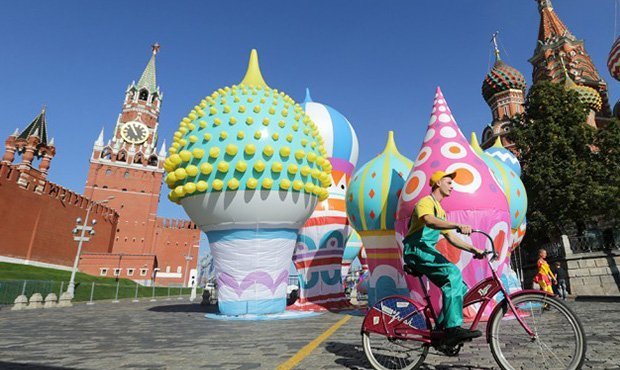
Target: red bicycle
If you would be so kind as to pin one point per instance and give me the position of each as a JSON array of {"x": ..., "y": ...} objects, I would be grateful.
[{"x": 529, "y": 329}]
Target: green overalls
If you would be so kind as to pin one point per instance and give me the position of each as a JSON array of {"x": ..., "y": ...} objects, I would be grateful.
[{"x": 420, "y": 253}]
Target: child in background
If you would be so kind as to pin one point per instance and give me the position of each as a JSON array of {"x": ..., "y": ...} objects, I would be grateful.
[{"x": 561, "y": 278}]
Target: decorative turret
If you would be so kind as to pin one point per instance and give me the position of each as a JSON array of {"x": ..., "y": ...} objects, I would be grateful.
[
  {"x": 32, "y": 144},
  {"x": 587, "y": 95},
  {"x": 503, "y": 89},
  {"x": 555, "y": 41},
  {"x": 501, "y": 77}
]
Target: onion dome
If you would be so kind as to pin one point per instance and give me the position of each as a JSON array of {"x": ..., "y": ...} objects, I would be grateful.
[
  {"x": 502, "y": 77},
  {"x": 352, "y": 248},
  {"x": 444, "y": 148},
  {"x": 509, "y": 182},
  {"x": 617, "y": 109},
  {"x": 372, "y": 196},
  {"x": 247, "y": 137},
  {"x": 587, "y": 95},
  {"x": 613, "y": 62},
  {"x": 340, "y": 138},
  {"x": 504, "y": 155}
]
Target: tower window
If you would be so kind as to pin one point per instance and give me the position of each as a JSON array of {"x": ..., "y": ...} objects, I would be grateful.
[
  {"x": 138, "y": 158},
  {"x": 144, "y": 95},
  {"x": 106, "y": 154},
  {"x": 108, "y": 172},
  {"x": 121, "y": 156},
  {"x": 153, "y": 160},
  {"x": 126, "y": 175}
]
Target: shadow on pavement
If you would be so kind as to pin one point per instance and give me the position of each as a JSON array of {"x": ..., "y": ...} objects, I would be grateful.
[
  {"x": 16, "y": 365},
  {"x": 187, "y": 307},
  {"x": 349, "y": 355}
]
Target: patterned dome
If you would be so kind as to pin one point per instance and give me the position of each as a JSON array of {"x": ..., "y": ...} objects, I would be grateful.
[
  {"x": 504, "y": 155},
  {"x": 247, "y": 137},
  {"x": 587, "y": 95},
  {"x": 617, "y": 109},
  {"x": 339, "y": 136},
  {"x": 613, "y": 62},
  {"x": 500, "y": 78},
  {"x": 373, "y": 192}
]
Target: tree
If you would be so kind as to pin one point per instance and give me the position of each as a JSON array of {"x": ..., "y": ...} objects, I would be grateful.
[
  {"x": 607, "y": 142},
  {"x": 563, "y": 176}
]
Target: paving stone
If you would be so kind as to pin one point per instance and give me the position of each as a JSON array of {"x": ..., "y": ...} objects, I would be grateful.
[{"x": 176, "y": 335}]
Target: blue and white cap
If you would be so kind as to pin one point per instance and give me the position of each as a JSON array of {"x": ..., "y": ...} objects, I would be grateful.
[{"x": 337, "y": 132}]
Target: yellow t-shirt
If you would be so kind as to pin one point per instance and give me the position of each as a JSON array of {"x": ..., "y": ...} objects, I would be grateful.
[{"x": 426, "y": 206}]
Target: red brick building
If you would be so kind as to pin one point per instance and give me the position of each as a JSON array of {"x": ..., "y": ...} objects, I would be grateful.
[{"x": 127, "y": 170}]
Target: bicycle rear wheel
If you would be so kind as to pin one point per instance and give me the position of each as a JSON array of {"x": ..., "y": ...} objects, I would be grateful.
[
  {"x": 559, "y": 343},
  {"x": 384, "y": 331},
  {"x": 392, "y": 354}
]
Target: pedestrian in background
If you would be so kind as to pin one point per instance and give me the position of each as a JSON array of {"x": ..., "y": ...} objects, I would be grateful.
[
  {"x": 544, "y": 276},
  {"x": 561, "y": 278}
]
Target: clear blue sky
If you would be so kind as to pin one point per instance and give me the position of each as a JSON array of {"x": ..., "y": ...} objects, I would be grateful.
[{"x": 377, "y": 62}]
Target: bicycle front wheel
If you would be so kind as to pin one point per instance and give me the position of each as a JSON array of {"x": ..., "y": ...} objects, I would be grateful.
[{"x": 559, "y": 341}]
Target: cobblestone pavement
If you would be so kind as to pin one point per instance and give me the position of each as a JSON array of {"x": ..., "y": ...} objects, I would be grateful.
[{"x": 176, "y": 335}]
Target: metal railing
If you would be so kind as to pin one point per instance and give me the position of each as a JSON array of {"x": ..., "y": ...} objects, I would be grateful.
[
  {"x": 86, "y": 291},
  {"x": 595, "y": 242}
]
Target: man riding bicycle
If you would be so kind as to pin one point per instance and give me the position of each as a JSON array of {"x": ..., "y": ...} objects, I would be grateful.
[{"x": 428, "y": 220}]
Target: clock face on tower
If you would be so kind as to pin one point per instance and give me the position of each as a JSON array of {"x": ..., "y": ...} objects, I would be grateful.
[{"x": 134, "y": 132}]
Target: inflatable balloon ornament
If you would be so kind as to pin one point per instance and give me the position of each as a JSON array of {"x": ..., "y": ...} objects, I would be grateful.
[
  {"x": 372, "y": 198},
  {"x": 351, "y": 250},
  {"x": 248, "y": 166},
  {"x": 513, "y": 189},
  {"x": 477, "y": 198},
  {"x": 506, "y": 169},
  {"x": 321, "y": 241}
]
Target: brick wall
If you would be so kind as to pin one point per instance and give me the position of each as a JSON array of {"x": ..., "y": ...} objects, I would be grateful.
[{"x": 38, "y": 216}]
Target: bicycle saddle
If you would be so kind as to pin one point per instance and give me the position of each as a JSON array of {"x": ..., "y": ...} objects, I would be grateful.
[{"x": 412, "y": 271}]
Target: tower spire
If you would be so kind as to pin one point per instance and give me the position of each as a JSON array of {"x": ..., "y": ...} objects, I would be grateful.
[
  {"x": 37, "y": 125},
  {"x": 149, "y": 78}
]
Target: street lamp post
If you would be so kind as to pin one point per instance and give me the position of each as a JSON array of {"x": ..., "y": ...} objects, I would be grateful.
[{"x": 82, "y": 229}]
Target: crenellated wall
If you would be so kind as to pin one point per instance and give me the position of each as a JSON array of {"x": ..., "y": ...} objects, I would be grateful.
[
  {"x": 174, "y": 241},
  {"x": 39, "y": 217}
]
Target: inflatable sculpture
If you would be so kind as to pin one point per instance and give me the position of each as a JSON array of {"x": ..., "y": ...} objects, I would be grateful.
[
  {"x": 321, "y": 242},
  {"x": 249, "y": 167},
  {"x": 351, "y": 250},
  {"x": 477, "y": 198},
  {"x": 372, "y": 199},
  {"x": 507, "y": 169}
]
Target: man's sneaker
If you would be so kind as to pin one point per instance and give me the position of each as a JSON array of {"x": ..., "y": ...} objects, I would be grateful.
[{"x": 457, "y": 335}]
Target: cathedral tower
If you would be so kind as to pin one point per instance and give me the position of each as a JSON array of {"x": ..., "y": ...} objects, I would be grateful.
[
  {"x": 129, "y": 167},
  {"x": 555, "y": 41},
  {"x": 503, "y": 89}
]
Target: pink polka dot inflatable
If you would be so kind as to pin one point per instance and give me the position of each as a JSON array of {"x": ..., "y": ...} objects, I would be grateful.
[{"x": 476, "y": 200}]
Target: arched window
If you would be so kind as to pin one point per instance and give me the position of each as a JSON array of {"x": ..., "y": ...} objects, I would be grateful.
[
  {"x": 153, "y": 160},
  {"x": 138, "y": 158},
  {"x": 144, "y": 95},
  {"x": 106, "y": 154},
  {"x": 121, "y": 156}
]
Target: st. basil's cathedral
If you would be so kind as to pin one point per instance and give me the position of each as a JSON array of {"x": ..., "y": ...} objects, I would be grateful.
[{"x": 124, "y": 180}]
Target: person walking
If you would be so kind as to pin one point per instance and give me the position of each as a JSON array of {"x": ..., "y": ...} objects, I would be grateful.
[
  {"x": 544, "y": 276},
  {"x": 428, "y": 221}
]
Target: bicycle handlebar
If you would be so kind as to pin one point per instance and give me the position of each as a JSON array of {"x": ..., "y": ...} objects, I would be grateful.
[{"x": 486, "y": 252}]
